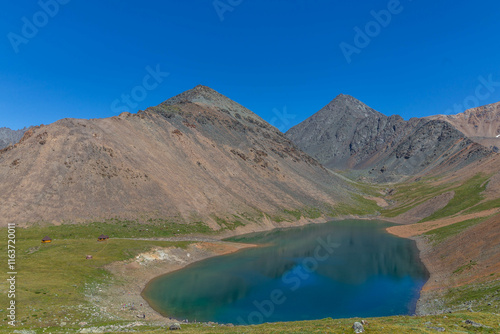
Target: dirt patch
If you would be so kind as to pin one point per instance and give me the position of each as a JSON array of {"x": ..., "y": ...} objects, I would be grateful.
[
  {"x": 380, "y": 201},
  {"x": 408, "y": 231}
]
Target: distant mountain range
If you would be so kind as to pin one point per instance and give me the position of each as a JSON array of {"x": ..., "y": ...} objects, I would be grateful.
[
  {"x": 347, "y": 134},
  {"x": 198, "y": 156},
  {"x": 10, "y": 137}
]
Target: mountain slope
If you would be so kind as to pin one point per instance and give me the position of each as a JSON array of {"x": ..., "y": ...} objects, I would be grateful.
[
  {"x": 481, "y": 124},
  {"x": 347, "y": 134},
  {"x": 195, "y": 157},
  {"x": 10, "y": 137},
  {"x": 344, "y": 133}
]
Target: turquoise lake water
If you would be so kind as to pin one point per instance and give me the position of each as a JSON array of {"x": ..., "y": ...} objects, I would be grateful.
[{"x": 342, "y": 269}]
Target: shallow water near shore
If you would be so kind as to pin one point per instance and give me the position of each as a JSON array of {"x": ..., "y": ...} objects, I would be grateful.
[{"x": 342, "y": 269}]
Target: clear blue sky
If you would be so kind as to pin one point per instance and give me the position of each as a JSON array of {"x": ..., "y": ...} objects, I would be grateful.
[{"x": 264, "y": 54}]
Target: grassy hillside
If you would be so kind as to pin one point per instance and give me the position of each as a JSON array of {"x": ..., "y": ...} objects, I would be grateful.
[
  {"x": 52, "y": 278},
  {"x": 452, "y": 323}
]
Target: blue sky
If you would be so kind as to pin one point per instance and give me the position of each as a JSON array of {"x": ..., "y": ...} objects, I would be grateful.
[{"x": 282, "y": 59}]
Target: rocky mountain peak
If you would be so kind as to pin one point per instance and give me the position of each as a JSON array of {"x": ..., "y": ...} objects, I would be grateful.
[
  {"x": 346, "y": 104},
  {"x": 201, "y": 94},
  {"x": 348, "y": 134},
  {"x": 213, "y": 102}
]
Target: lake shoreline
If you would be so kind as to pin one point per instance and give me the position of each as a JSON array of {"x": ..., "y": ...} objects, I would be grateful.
[{"x": 125, "y": 300}]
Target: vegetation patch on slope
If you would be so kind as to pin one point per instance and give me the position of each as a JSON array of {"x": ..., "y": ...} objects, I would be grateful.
[
  {"x": 408, "y": 196},
  {"x": 488, "y": 205},
  {"x": 116, "y": 228},
  {"x": 482, "y": 297},
  {"x": 466, "y": 196},
  {"x": 360, "y": 206},
  {"x": 438, "y": 235}
]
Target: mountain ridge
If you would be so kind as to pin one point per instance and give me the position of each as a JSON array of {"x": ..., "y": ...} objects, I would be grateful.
[
  {"x": 348, "y": 134},
  {"x": 183, "y": 160},
  {"x": 481, "y": 124}
]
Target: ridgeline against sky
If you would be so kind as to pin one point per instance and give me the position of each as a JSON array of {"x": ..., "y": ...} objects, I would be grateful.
[{"x": 282, "y": 59}]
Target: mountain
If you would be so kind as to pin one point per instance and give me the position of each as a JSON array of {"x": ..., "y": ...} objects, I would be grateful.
[
  {"x": 347, "y": 134},
  {"x": 10, "y": 137},
  {"x": 198, "y": 156},
  {"x": 481, "y": 124}
]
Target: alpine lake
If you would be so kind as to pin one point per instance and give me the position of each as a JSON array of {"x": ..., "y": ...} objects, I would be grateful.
[{"x": 341, "y": 269}]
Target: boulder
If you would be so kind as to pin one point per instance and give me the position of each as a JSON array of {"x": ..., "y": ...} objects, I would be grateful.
[
  {"x": 358, "y": 327},
  {"x": 175, "y": 327}
]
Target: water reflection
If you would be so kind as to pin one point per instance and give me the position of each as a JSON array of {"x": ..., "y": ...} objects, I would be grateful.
[{"x": 339, "y": 269}]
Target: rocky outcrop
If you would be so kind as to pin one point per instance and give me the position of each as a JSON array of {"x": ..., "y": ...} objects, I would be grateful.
[{"x": 10, "y": 137}]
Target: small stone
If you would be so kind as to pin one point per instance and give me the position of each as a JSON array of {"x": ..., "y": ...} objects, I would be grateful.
[
  {"x": 175, "y": 327},
  {"x": 358, "y": 328},
  {"x": 474, "y": 324}
]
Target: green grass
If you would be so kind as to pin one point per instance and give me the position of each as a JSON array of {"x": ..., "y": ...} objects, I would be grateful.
[
  {"x": 294, "y": 213},
  {"x": 52, "y": 278},
  {"x": 116, "y": 229},
  {"x": 411, "y": 195},
  {"x": 465, "y": 267},
  {"x": 466, "y": 196},
  {"x": 453, "y": 323},
  {"x": 440, "y": 234},
  {"x": 483, "y": 297},
  {"x": 312, "y": 213},
  {"x": 368, "y": 189},
  {"x": 359, "y": 206},
  {"x": 229, "y": 225},
  {"x": 492, "y": 204}
]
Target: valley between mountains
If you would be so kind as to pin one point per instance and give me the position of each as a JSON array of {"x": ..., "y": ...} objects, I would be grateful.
[{"x": 169, "y": 182}]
